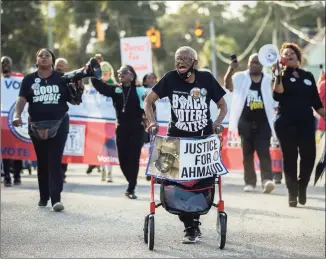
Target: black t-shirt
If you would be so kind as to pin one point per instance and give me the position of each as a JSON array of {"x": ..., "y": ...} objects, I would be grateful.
[
  {"x": 133, "y": 114},
  {"x": 300, "y": 94},
  {"x": 47, "y": 97},
  {"x": 190, "y": 102},
  {"x": 254, "y": 109}
]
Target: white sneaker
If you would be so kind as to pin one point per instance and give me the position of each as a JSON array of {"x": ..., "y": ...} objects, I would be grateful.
[
  {"x": 110, "y": 180},
  {"x": 248, "y": 188},
  {"x": 269, "y": 186},
  {"x": 58, "y": 207}
]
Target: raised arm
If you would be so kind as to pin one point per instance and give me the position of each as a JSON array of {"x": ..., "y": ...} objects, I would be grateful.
[
  {"x": 278, "y": 88},
  {"x": 102, "y": 87},
  {"x": 228, "y": 76}
]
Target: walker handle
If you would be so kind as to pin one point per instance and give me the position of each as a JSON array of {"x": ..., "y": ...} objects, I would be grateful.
[{"x": 154, "y": 131}]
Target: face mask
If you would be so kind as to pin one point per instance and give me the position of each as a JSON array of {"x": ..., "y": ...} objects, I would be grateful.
[{"x": 188, "y": 73}]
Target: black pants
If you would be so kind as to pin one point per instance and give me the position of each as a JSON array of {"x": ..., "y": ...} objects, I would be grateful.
[
  {"x": 255, "y": 137},
  {"x": 49, "y": 155},
  {"x": 294, "y": 140},
  {"x": 16, "y": 165},
  {"x": 64, "y": 169},
  {"x": 188, "y": 220},
  {"x": 129, "y": 144}
]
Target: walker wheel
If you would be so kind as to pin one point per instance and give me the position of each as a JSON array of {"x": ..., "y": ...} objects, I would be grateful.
[
  {"x": 221, "y": 229},
  {"x": 151, "y": 232},
  {"x": 145, "y": 229}
]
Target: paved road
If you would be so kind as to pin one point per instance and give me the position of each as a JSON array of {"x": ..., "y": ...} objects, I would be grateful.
[{"x": 100, "y": 222}]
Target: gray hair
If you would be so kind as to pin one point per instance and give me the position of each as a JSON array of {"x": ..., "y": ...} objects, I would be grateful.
[
  {"x": 191, "y": 51},
  {"x": 6, "y": 57},
  {"x": 254, "y": 55},
  {"x": 60, "y": 59}
]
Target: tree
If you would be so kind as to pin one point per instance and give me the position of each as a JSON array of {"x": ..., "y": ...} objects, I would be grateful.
[
  {"x": 22, "y": 32},
  {"x": 178, "y": 29}
]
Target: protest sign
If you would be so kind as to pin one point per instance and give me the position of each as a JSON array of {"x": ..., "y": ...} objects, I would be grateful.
[{"x": 186, "y": 159}]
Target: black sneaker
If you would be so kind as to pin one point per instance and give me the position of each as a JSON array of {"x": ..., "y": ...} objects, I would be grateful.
[
  {"x": 7, "y": 183},
  {"x": 17, "y": 182},
  {"x": 131, "y": 195},
  {"x": 196, "y": 226},
  {"x": 42, "y": 203},
  {"x": 190, "y": 236},
  {"x": 292, "y": 201}
]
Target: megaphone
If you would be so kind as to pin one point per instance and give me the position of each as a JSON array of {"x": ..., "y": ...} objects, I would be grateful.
[
  {"x": 91, "y": 69},
  {"x": 268, "y": 55}
]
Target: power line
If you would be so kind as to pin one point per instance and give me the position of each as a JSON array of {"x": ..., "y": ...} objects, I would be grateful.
[
  {"x": 252, "y": 43},
  {"x": 301, "y": 34},
  {"x": 295, "y": 5}
]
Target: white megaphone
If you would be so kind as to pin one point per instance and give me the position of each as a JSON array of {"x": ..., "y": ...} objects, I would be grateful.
[{"x": 268, "y": 55}]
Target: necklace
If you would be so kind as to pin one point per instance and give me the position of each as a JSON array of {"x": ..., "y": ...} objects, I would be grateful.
[{"x": 125, "y": 99}]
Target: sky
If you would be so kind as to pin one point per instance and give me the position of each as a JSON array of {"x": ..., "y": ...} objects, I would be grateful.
[{"x": 235, "y": 5}]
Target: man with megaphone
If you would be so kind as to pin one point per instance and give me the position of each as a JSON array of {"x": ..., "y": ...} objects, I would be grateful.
[
  {"x": 252, "y": 112},
  {"x": 47, "y": 91}
]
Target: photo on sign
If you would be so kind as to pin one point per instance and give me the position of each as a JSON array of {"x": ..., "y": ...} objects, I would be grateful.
[
  {"x": 75, "y": 141},
  {"x": 164, "y": 162}
]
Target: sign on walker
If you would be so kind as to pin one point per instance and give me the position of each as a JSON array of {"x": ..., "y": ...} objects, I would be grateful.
[{"x": 185, "y": 159}]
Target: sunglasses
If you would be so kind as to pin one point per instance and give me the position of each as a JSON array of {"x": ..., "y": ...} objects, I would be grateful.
[{"x": 124, "y": 72}]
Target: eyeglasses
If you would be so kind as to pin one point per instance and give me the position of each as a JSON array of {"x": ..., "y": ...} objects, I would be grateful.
[{"x": 185, "y": 59}]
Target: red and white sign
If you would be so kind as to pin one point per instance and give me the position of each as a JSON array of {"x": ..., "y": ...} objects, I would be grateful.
[{"x": 137, "y": 52}]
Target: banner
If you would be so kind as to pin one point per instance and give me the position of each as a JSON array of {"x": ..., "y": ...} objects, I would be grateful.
[
  {"x": 185, "y": 159},
  {"x": 137, "y": 52},
  {"x": 91, "y": 138}
]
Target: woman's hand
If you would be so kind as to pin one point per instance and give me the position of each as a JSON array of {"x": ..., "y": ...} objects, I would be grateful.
[
  {"x": 276, "y": 70},
  {"x": 153, "y": 128},
  {"x": 218, "y": 128},
  {"x": 17, "y": 121},
  {"x": 79, "y": 85}
]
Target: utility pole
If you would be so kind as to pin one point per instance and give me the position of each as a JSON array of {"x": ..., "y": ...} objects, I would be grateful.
[
  {"x": 276, "y": 26},
  {"x": 51, "y": 15},
  {"x": 213, "y": 47}
]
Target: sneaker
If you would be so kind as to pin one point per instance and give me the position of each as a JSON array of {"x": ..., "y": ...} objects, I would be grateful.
[
  {"x": 17, "y": 182},
  {"x": 196, "y": 226},
  {"x": 110, "y": 180},
  {"x": 269, "y": 186},
  {"x": 292, "y": 200},
  {"x": 131, "y": 195},
  {"x": 7, "y": 182},
  {"x": 42, "y": 203},
  {"x": 248, "y": 188},
  {"x": 190, "y": 236},
  {"x": 57, "y": 207}
]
